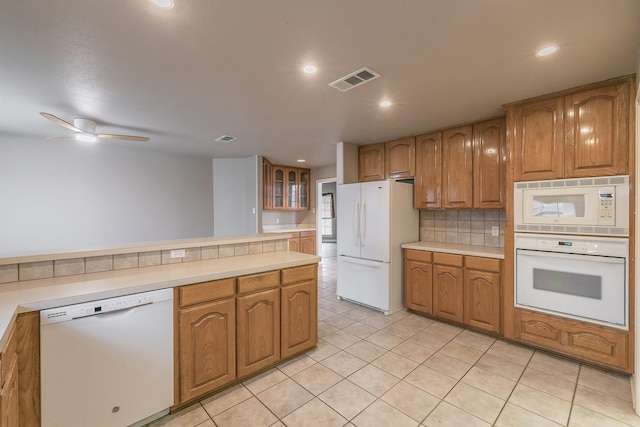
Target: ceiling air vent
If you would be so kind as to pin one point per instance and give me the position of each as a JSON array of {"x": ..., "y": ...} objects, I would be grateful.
[
  {"x": 354, "y": 79},
  {"x": 225, "y": 139}
]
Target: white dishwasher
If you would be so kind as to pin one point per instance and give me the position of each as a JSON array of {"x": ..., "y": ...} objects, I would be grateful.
[{"x": 107, "y": 363}]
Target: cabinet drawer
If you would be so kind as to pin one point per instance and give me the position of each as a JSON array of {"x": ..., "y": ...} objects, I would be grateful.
[
  {"x": 484, "y": 264},
  {"x": 415, "y": 255},
  {"x": 298, "y": 274},
  {"x": 256, "y": 282},
  {"x": 447, "y": 259},
  {"x": 307, "y": 234},
  {"x": 206, "y": 291},
  {"x": 587, "y": 341}
]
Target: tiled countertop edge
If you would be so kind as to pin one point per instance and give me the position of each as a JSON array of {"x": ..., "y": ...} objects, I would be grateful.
[
  {"x": 34, "y": 295},
  {"x": 452, "y": 248}
]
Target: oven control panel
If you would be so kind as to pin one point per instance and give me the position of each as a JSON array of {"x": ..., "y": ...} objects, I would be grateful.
[
  {"x": 566, "y": 245},
  {"x": 606, "y": 206}
]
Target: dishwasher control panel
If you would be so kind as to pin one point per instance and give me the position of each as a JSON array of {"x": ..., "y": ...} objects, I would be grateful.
[{"x": 92, "y": 308}]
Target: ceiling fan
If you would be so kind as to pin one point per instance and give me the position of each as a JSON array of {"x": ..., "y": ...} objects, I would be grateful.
[{"x": 86, "y": 130}]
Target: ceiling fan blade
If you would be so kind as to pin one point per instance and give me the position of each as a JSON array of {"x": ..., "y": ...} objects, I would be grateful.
[
  {"x": 125, "y": 137},
  {"x": 61, "y": 137},
  {"x": 59, "y": 121}
]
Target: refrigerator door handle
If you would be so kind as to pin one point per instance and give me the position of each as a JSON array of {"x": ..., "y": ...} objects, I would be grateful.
[
  {"x": 363, "y": 224},
  {"x": 356, "y": 223},
  {"x": 363, "y": 262}
]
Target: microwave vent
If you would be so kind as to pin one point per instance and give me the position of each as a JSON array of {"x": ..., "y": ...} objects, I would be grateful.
[
  {"x": 558, "y": 184},
  {"x": 619, "y": 179},
  {"x": 588, "y": 182}
]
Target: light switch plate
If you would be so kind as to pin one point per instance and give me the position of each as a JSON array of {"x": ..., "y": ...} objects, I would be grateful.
[
  {"x": 495, "y": 230},
  {"x": 178, "y": 253}
]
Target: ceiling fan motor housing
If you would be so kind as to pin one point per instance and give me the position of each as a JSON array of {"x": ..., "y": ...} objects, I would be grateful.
[{"x": 85, "y": 125}]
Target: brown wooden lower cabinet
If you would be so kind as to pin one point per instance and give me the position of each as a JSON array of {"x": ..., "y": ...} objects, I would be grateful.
[
  {"x": 584, "y": 340},
  {"x": 482, "y": 293},
  {"x": 462, "y": 289},
  {"x": 303, "y": 241},
  {"x": 9, "y": 409},
  {"x": 299, "y": 309},
  {"x": 258, "y": 331},
  {"x": 207, "y": 347},
  {"x": 418, "y": 281},
  {"x": 447, "y": 287}
]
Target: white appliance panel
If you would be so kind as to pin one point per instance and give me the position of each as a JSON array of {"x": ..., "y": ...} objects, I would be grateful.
[
  {"x": 363, "y": 281},
  {"x": 348, "y": 199},
  {"x": 107, "y": 370},
  {"x": 375, "y": 221}
]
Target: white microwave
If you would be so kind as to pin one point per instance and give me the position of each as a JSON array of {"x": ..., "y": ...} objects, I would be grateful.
[{"x": 598, "y": 206}]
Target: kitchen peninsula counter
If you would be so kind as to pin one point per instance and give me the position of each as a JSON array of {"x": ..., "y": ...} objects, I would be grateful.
[
  {"x": 34, "y": 295},
  {"x": 454, "y": 248}
]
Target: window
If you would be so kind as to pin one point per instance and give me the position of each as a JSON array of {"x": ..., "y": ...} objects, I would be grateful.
[{"x": 327, "y": 214}]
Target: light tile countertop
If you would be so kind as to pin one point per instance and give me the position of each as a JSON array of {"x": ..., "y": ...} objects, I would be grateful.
[
  {"x": 453, "y": 248},
  {"x": 33, "y": 295}
]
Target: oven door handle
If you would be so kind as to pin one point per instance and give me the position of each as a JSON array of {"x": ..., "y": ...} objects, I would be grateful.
[{"x": 562, "y": 255}]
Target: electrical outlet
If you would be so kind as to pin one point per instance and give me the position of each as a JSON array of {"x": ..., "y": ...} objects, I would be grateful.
[
  {"x": 495, "y": 230},
  {"x": 277, "y": 220},
  {"x": 178, "y": 253}
]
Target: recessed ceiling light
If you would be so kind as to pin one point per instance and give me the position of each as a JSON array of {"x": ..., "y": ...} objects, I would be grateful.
[
  {"x": 225, "y": 139},
  {"x": 546, "y": 51},
  {"x": 385, "y": 103},
  {"x": 309, "y": 69},
  {"x": 165, "y": 4},
  {"x": 301, "y": 160}
]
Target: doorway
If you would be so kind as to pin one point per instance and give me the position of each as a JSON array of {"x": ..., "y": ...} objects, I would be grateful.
[{"x": 326, "y": 218}]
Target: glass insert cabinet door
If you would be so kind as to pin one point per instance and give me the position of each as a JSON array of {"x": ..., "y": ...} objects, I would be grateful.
[
  {"x": 304, "y": 190},
  {"x": 292, "y": 189},
  {"x": 278, "y": 188}
]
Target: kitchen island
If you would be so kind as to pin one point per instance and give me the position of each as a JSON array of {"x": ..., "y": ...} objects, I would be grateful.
[{"x": 252, "y": 272}]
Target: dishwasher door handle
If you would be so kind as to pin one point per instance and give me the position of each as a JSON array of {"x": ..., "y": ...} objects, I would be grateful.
[{"x": 116, "y": 311}]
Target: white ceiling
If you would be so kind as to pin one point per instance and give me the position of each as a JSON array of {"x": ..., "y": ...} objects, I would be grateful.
[{"x": 206, "y": 68}]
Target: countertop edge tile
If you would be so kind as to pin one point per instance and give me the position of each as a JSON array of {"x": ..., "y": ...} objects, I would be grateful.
[{"x": 453, "y": 248}]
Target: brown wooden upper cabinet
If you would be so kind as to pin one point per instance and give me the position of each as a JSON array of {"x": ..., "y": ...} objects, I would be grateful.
[
  {"x": 428, "y": 181},
  {"x": 371, "y": 162},
  {"x": 457, "y": 168},
  {"x": 489, "y": 160},
  {"x": 576, "y": 133},
  {"x": 285, "y": 187},
  {"x": 462, "y": 167},
  {"x": 400, "y": 158},
  {"x": 387, "y": 160}
]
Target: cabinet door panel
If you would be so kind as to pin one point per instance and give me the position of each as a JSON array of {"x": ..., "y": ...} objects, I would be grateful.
[
  {"x": 489, "y": 164},
  {"x": 258, "y": 331},
  {"x": 418, "y": 288},
  {"x": 207, "y": 347},
  {"x": 292, "y": 178},
  {"x": 294, "y": 245},
  {"x": 482, "y": 300},
  {"x": 303, "y": 189},
  {"x": 308, "y": 245},
  {"x": 299, "y": 317},
  {"x": 371, "y": 162},
  {"x": 457, "y": 168},
  {"x": 400, "y": 158},
  {"x": 278, "y": 183},
  {"x": 597, "y": 128},
  {"x": 267, "y": 185},
  {"x": 538, "y": 137},
  {"x": 428, "y": 182},
  {"x": 447, "y": 295}
]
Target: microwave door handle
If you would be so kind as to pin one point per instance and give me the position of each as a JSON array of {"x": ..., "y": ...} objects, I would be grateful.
[{"x": 561, "y": 255}]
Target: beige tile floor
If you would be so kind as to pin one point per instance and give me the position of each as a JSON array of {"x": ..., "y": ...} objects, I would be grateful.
[{"x": 408, "y": 370}]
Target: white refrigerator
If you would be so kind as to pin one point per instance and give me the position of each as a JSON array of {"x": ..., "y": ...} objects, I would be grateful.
[{"x": 374, "y": 219}]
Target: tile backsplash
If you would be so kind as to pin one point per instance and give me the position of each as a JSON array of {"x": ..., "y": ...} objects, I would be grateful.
[{"x": 463, "y": 226}]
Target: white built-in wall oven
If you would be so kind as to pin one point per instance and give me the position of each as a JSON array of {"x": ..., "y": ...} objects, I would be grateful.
[{"x": 572, "y": 250}]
